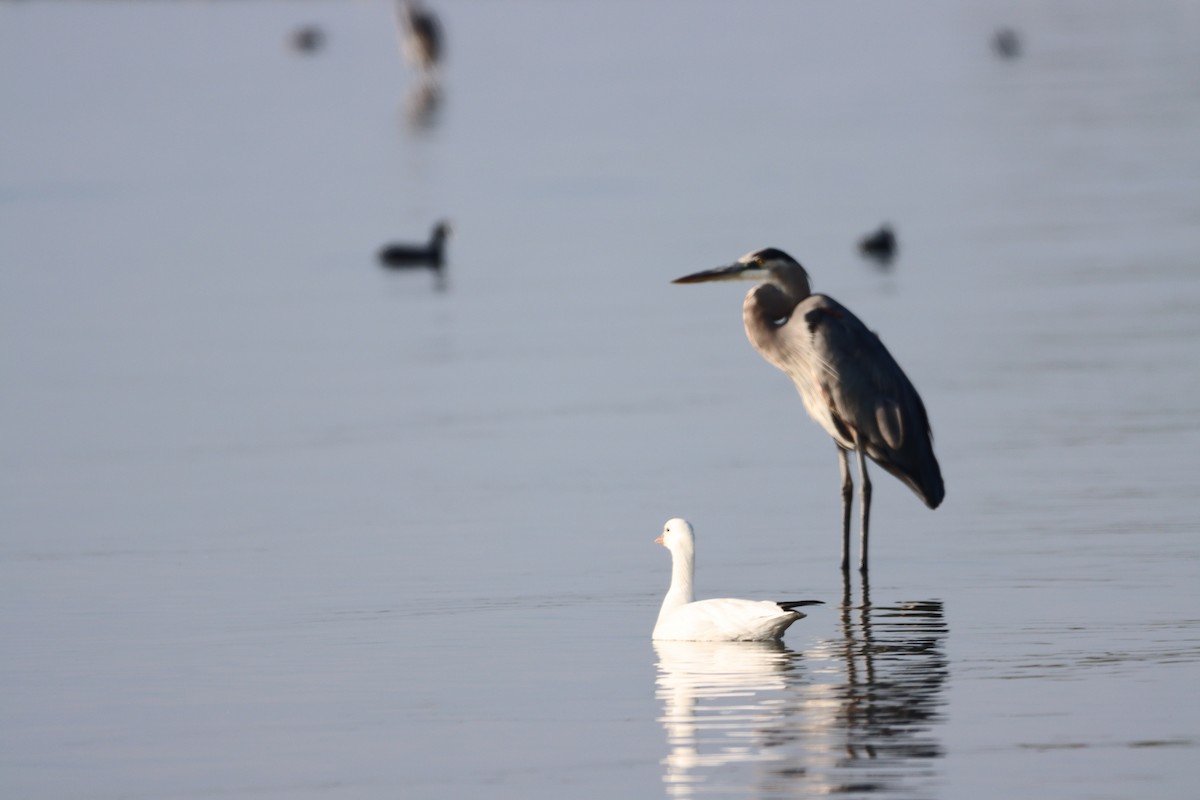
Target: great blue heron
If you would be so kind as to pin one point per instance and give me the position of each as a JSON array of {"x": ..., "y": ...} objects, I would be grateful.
[
  {"x": 420, "y": 34},
  {"x": 849, "y": 382}
]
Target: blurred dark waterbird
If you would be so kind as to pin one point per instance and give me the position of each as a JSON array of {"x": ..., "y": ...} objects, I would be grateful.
[
  {"x": 405, "y": 256},
  {"x": 880, "y": 245},
  {"x": 420, "y": 35},
  {"x": 1006, "y": 43},
  {"x": 307, "y": 39},
  {"x": 849, "y": 382}
]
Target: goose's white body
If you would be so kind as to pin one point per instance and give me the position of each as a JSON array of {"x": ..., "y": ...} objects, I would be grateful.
[{"x": 725, "y": 619}]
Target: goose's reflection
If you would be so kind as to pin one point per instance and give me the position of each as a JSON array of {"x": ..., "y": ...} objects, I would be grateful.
[
  {"x": 721, "y": 702},
  {"x": 856, "y": 714}
]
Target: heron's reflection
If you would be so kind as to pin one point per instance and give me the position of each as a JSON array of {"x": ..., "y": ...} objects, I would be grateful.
[
  {"x": 856, "y": 713},
  {"x": 879, "y": 696}
]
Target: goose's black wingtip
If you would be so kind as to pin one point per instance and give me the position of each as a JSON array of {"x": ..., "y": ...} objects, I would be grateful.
[{"x": 794, "y": 604}]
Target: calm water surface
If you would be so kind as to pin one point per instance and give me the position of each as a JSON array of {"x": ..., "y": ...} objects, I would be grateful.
[{"x": 276, "y": 523}]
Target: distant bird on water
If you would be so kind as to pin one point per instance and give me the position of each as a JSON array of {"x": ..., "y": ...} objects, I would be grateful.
[
  {"x": 1006, "y": 43},
  {"x": 307, "y": 39},
  {"x": 849, "y": 382},
  {"x": 721, "y": 619},
  {"x": 420, "y": 35},
  {"x": 880, "y": 245},
  {"x": 406, "y": 256}
]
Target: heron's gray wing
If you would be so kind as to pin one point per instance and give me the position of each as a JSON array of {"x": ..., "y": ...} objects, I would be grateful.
[{"x": 868, "y": 394}]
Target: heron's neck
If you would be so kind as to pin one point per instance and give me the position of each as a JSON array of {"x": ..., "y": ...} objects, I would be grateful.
[
  {"x": 766, "y": 307},
  {"x": 794, "y": 283},
  {"x": 683, "y": 571}
]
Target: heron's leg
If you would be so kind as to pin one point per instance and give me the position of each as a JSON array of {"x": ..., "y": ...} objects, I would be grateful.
[
  {"x": 864, "y": 487},
  {"x": 847, "y": 496}
]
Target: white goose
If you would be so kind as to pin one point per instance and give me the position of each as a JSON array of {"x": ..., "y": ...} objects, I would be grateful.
[{"x": 724, "y": 619}]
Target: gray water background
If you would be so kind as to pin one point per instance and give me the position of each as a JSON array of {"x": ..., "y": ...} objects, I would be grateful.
[{"x": 276, "y": 523}]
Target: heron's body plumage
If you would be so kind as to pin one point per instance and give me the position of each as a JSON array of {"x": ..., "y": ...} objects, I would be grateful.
[{"x": 850, "y": 385}]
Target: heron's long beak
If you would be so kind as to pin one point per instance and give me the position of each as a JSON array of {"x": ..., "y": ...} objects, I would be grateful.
[{"x": 736, "y": 271}]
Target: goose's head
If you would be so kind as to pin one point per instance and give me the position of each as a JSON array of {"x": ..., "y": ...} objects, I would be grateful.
[{"x": 676, "y": 533}]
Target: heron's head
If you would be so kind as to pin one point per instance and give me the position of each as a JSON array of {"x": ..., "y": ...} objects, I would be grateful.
[
  {"x": 769, "y": 264},
  {"x": 442, "y": 230},
  {"x": 675, "y": 533}
]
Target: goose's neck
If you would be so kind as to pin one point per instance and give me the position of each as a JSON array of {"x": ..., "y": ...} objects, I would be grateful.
[{"x": 680, "y": 593}]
